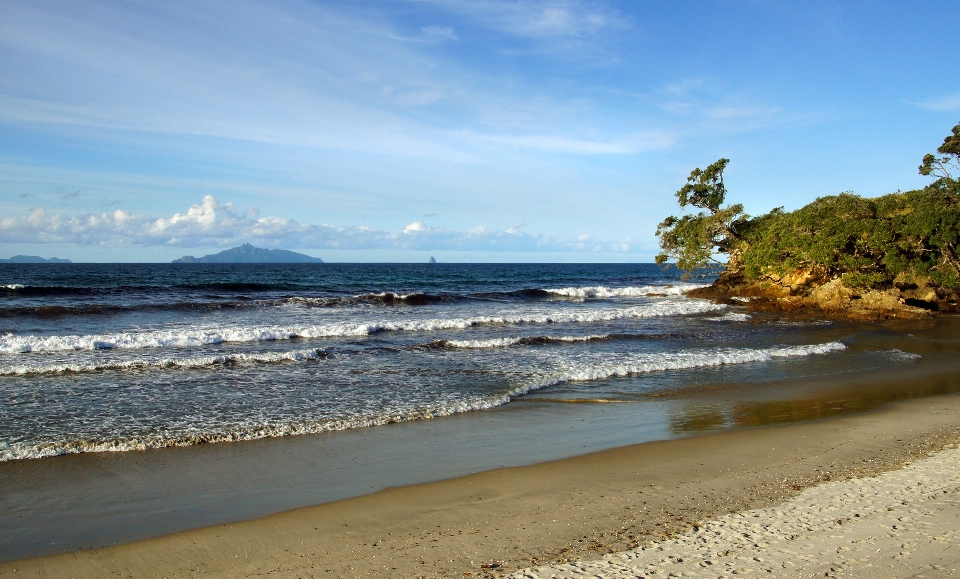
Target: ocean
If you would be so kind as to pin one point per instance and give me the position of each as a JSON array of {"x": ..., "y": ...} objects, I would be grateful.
[{"x": 100, "y": 358}]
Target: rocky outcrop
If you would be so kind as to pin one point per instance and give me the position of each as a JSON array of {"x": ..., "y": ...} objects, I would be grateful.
[{"x": 815, "y": 291}]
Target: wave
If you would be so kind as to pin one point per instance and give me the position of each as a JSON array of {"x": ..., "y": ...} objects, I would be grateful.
[
  {"x": 381, "y": 298},
  {"x": 61, "y": 367},
  {"x": 21, "y": 290},
  {"x": 684, "y": 360},
  {"x": 42, "y": 290},
  {"x": 731, "y": 317},
  {"x": 514, "y": 341},
  {"x": 190, "y": 362},
  {"x": 584, "y": 370},
  {"x": 20, "y": 451},
  {"x": 541, "y": 340},
  {"x": 57, "y": 311},
  {"x": 212, "y": 303},
  {"x": 623, "y": 292},
  {"x": 183, "y": 338},
  {"x": 901, "y": 356}
]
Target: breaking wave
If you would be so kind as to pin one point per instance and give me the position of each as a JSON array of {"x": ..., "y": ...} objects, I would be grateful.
[
  {"x": 683, "y": 360},
  {"x": 190, "y": 362},
  {"x": 624, "y": 292},
  {"x": 515, "y": 341},
  {"x": 194, "y": 337},
  {"x": 153, "y": 297},
  {"x": 595, "y": 369}
]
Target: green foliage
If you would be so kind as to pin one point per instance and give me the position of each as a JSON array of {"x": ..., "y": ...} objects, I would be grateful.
[
  {"x": 940, "y": 166},
  {"x": 901, "y": 238},
  {"x": 704, "y": 188},
  {"x": 693, "y": 239},
  {"x": 869, "y": 242}
]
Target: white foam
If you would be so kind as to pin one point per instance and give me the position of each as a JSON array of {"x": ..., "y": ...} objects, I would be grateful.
[
  {"x": 491, "y": 343},
  {"x": 600, "y": 369},
  {"x": 623, "y": 292},
  {"x": 901, "y": 356},
  {"x": 731, "y": 317},
  {"x": 590, "y": 370},
  {"x": 20, "y": 451},
  {"x": 506, "y": 342},
  {"x": 13, "y": 286},
  {"x": 191, "y": 362},
  {"x": 194, "y": 337}
]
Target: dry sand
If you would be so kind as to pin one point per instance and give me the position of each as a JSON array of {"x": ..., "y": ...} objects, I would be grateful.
[
  {"x": 583, "y": 508},
  {"x": 904, "y": 523}
]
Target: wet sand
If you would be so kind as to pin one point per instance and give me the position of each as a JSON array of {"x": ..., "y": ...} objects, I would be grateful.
[{"x": 494, "y": 522}]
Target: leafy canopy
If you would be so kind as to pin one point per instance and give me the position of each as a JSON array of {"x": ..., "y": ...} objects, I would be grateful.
[
  {"x": 693, "y": 240},
  {"x": 900, "y": 238},
  {"x": 950, "y": 151}
]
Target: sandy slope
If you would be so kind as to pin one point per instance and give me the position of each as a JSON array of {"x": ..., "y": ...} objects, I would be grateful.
[{"x": 904, "y": 523}]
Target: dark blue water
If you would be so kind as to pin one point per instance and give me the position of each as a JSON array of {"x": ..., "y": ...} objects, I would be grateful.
[{"x": 118, "y": 357}]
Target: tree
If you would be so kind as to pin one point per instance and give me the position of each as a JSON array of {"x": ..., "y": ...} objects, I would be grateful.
[
  {"x": 694, "y": 240},
  {"x": 940, "y": 166}
]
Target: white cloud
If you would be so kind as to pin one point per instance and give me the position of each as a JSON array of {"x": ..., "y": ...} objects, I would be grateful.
[
  {"x": 947, "y": 103},
  {"x": 732, "y": 112},
  {"x": 211, "y": 223},
  {"x": 652, "y": 140},
  {"x": 437, "y": 33},
  {"x": 305, "y": 74},
  {"x": 538, "y": 18}
]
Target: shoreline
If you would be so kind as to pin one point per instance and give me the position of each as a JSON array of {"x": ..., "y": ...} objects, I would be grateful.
[
  {"x": 96, "y": 500},
  {"x": 506, "y": 519}
]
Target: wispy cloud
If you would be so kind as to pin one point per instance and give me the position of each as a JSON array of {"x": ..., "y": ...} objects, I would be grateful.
[
  {"x": 629, "y": 144},
  {"x": 946, "y": 103},
  {"x": 312, "y": 75},
  {"x": 437, "y": 33},
  {"x": 710, "y": 106},
  {"x": 538, "y": 18},
  {"x": 211, "y": 223}
]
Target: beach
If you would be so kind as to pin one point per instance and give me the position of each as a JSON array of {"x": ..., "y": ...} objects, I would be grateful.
[
  {"x": 405, "y": 421},
  {"x": 526, "y": 289},
  {"x": 897, "y": 524},
  {"x": 505, "y": 520}
]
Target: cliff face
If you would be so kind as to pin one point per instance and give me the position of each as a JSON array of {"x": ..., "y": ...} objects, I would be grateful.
[{"x": 813, "y": 291}]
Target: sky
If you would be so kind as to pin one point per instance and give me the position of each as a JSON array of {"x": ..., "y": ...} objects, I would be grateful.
[{"x": 472, "y": 131}]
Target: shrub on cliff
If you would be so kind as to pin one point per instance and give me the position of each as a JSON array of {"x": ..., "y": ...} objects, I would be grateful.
[
  {"x": 902, "y": 237},
  {"x": 898, "y": 239}
]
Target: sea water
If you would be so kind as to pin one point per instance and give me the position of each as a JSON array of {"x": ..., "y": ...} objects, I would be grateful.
[{"x": 108, "y": 357}]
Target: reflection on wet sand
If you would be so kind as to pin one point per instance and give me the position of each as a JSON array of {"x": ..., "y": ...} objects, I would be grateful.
[
  {"x": 698, "y": 419},
  {"x": 821, "y": 403}
]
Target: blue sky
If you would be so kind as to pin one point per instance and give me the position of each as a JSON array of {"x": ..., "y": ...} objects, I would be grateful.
[{"x": 488, "y": 130}]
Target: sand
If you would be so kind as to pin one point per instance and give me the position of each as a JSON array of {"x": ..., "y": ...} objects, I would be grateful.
[
  {"x": 583, "y": 508},
  {"x": 904, "y": 523}
]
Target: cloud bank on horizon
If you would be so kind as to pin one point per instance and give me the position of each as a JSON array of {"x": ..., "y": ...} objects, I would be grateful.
[
  {"x": 578, "y": 118},
  {"x": 211, "y": 223}
]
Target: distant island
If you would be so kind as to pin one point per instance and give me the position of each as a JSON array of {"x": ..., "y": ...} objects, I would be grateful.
[
  {"x": 247, "y": 253},
  {"x": 33, "y": 259}
]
